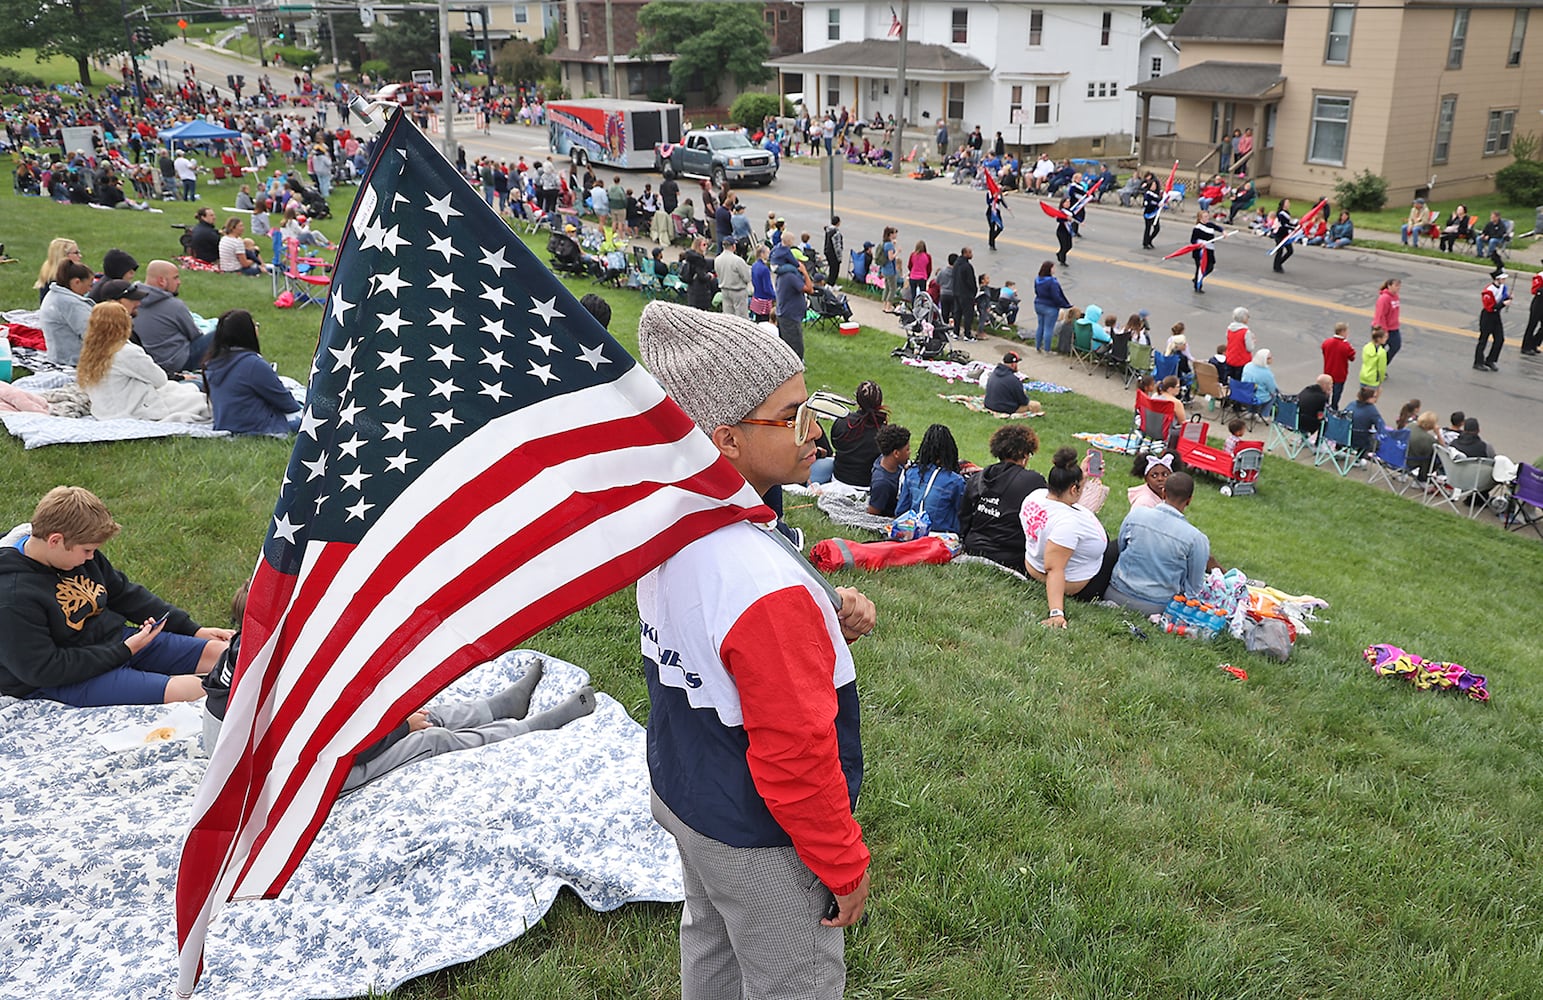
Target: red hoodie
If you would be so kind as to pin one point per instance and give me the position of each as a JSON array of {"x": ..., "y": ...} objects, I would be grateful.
[{"x": 1337, "y": 355}]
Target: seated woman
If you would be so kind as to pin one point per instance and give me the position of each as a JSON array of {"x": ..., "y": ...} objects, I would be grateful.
[
  {"x": 1258, "y": 372},
  {"x": 66, "y": 311},
  {"x": 124, "y": 382},
  {"x": 244, "y": 201},
  {"x": 994, "y": 496},
  {"x": 932, "y": 483},
  {"x": 1153, "y": 470},
  {"x": 297, "y": 227},
  {"x": 1459, "y": 228},
  {"x": 243, "y": 389},
  {"x": 1242, "y": 200},
  {"x": 1366, "y": 422},
  {"x": 1341, "y": 233},
  {"x": 1422, "y": 445},
  {"x": 262, "y": 222},
  {"x": 238, "y": 255},
  {"x": 1066, "y": 548},
  {"x": 855, "y": 437},
  {"x": 1178, "y": 344}
]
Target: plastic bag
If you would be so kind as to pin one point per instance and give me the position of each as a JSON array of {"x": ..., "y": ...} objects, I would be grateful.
[{"x": 909, "y": 526}]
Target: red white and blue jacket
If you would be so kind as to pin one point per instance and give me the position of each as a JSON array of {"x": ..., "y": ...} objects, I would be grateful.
[{"x": 753, "y": 730}]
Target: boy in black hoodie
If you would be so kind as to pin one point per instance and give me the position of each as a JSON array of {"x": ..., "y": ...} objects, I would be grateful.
[
  {"x": 994, "y": 496},
  {"x": 74, "y": 629}
]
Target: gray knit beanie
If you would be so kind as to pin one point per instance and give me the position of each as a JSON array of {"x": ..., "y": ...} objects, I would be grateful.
[{"x": 717, "y": 367}]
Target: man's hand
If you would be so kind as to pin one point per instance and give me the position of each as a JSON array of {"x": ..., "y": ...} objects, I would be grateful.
[
  {"x": 857, "y": 614},
  {"x": 850, "y": 906},
  {"x": 222, "y": 634}
]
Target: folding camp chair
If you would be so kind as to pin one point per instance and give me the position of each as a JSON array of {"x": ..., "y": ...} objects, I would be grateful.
[
  {"x": 276, "y": 272},
  {"x": 302, "y": 276},
  {"x": 1164, "y": 365},
  {"x": 1284, "y": 429},
  {"x": 1526, "y": 491},
  {"x": 1082, "y": 345},
  {"x": 1208, "y": 381},
  {"x": 1243, "y": 397},
  {"x": 1138, "y": 363},
  {"x": 1334, "y": 443},
  {"x": 1390, "y": 461},
  {"x": 1155, "y": 417},
  {"x": 1468, "y": 481}
]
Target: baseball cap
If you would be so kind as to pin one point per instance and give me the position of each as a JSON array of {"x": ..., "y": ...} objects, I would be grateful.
[
  {"x": 117, "y": 288},
  {"x": 1011, "y": 358}
]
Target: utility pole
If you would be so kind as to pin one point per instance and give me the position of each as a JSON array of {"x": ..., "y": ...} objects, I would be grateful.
[
  {"x": 139, "y": 82},
  {"x": 332, "y": 36},
  {"x": 257, "y": 30},
  {"x": 610, "y": 49},
  {"x": 446, "y": 82},
  {"x": 900, "y": 108}
]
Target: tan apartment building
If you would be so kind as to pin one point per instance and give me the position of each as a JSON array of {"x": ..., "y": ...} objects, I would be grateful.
[{"x": 1427, "y": 93}]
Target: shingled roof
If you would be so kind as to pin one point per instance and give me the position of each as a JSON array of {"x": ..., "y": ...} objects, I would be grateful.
[
  {"x": 877, "y": 54},
  {"x": 1216, "y": 79},
  {"x": 1231, "y": 21}
]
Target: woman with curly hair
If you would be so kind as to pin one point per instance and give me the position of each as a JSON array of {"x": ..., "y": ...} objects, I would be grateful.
[
  {"x": 124, "y": 382},
  {"x": 994, "y": 496}
]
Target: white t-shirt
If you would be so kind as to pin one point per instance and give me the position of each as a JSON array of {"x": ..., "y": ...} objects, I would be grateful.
[
  {"x": 1067, "y": 525},
  {"x": 186, "y": 169}
]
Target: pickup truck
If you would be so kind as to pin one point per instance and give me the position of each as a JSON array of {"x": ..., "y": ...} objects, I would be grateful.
[{"x": 721, "y": 156}]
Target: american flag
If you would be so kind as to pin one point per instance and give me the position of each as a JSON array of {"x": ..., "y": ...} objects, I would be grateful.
[
  {"x": 895, "y": 27},
  {"x": 477, "y": 459}
]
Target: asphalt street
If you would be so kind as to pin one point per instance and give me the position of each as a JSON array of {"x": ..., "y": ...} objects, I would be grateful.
[{"x": 1291, "y": 312}]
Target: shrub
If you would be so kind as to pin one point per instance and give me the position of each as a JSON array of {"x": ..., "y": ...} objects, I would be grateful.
[
  {"x": 1521, "y": 183},
  {"x": 750, "y": 110},
  {"x": 298, "y": 57},
  {"x": 1365, "y": 192},
  {"x": 18, "y": 78},
  {"x": 376, "y": 68}
]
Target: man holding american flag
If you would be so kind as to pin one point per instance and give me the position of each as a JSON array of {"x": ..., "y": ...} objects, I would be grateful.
[
  {"x": 753, "y": 743},
  {"x": 477, "y": 460}
]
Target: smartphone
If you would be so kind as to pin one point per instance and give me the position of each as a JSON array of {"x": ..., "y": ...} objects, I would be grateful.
[
  {"x": 1095, "y": 464},
  {"x": 833, "y": 908},
  {"x": 161, "y": 621}
]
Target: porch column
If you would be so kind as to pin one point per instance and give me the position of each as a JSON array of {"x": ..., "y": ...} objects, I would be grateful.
[
  {"x": 1146, "y": 126},
  {"x": 1256, "y": 155}
]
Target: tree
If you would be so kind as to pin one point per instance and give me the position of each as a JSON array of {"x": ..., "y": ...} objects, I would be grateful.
[
  {"x": 347, "y": 27},
  {"x": 706, "y": 40},
  {"x": 81, "y": 30},
  {"x": 1168, "y": 13},
  {"x": 411, "y": 41},
  {"x": 520, "y": 61}
]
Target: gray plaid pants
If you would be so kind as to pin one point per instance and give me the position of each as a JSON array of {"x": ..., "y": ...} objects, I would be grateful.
[{"x": 750, "y": 928}]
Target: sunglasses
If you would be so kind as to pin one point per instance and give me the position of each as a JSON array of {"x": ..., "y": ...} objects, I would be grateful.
[{"x": 821, "y": 404}]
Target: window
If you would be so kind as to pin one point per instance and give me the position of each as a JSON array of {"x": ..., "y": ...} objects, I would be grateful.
[
  {"x": 1157, "y": 67},
  {"x": 1518, "y": 36},
  {"x": 833, "y": 94},
  {"x": 1042, "y": 104},
  {"x": 955, "y": 101},
  {"x": 583, "y": 22},
  {"x": 1106, "y": 30},
  {"x": 1099, "y": 89},
  {"x": 1341, "y": 17},
  {"x": 770, "y": 17},
  {"x": 833, "y": 24},
  {"x": 521, "y": 14},
  {"x": 1444, "y": 120},
  {"x": 961, "y": 25},
  {"x": 1459, "y": 38},
  {"x": 782, "y": 14},
  {"x": 1036, "y": 28},
  {"x": 1497, "y": 138},
  {"x": 1015, "y": 105},
  {"x": 1330, "y": 130}
]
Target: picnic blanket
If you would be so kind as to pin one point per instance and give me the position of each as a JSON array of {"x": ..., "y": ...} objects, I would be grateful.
[
  {"x": 953, "y": 371},
  {"x": 1123, "y": 444},
  {"x": 433, "y": 864},
  {"x": 977, "y": 404}
]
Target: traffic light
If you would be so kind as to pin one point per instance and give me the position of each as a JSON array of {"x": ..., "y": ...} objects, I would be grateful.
[
  {"x": 144, "y": 37},
  {"x": 324, "y": 31},
  {"x": 282, "y": 34}
]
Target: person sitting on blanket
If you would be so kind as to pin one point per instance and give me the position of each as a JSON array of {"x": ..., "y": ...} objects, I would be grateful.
[
  {"x": 933, "y": 483},
  {"x": 994, "y": 496},
  {"x": 1160, "y": 553},
  {"x": 122, "y": 380},
  {"x": 244, "y": 390},
  {"x": 428, "y": 732},
  {"x": 74, "y": 629},
  {"x": 1154, "y": 471},
  {"x": 894, "y": 447},
  {"x": 855, "y": 437},
  {"x": 1065, "y": 546},
  {"x": 65, "y": 312},
  {"x": 1004, "y": 390},
  {"x": 164, "y": 325}
]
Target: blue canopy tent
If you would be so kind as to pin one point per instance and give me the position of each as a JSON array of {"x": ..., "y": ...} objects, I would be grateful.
[{"x": 196, "y": 131}]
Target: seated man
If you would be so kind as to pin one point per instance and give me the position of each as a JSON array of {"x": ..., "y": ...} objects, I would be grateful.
[
  {"x": 1311, "y": 402},
  {"x": 1492, "y": 237},
  {"x": 204, "y": 238},
  {"x": 1161, "y": 553},
  {"x": 1469, "y": 443},
  {"x": 1004, "y": 390},
  {"x": 74, "y": 629},
  {"x": 164, "y": 324},
  {"x": 894, "y": 445}
]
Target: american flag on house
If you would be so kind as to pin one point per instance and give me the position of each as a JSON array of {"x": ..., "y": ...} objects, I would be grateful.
[{"x": 478, "y": 459}]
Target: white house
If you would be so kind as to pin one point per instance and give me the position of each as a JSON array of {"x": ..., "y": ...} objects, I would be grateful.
[
  {"x": 1049, "y": 76},
  {"x": 1159, "y": 54}
]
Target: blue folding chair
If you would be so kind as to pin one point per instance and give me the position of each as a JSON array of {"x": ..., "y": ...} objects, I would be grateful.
[
  {"x": 1284, "y": 430},
  {"x": 1164, "y": 365},
  {"x": 1244, "y": 397},
  {"x": 1334, "y": 442},
  {"x": 1391, "y": 460}
]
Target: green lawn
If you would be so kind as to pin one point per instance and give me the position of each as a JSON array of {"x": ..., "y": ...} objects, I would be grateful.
[
  {"x": 53, "y": 70},
  {"x": 1393, "y": 216},
  {"x": 1069, "y": 814}
]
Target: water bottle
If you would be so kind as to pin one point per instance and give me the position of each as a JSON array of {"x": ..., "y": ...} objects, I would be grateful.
[{"x": 5, "y": 358}]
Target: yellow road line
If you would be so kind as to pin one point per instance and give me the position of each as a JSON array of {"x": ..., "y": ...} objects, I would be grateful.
[{"x": 1152, "y": 269}]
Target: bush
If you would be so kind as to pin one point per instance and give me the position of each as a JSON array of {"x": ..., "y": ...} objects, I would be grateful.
[
  {"x": 14, "y": 77},
  {"x": 1521, "y": 183},
  {"x": 1365, "y": 192},
  {"x": 376, "y": 68},
  {"x": 750, "y": 110},
  {"x": 297, "y": 57}
]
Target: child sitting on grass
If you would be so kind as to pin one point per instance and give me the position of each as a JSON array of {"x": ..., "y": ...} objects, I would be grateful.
[{"x": 74, "y": 629}]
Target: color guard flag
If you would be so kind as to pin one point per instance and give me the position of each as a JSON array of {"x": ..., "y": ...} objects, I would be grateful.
[{"x": 478, "y": 458}]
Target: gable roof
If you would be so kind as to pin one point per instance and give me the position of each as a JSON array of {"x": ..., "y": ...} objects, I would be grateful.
[
  {"x": 875, "y": 55},
  {"x": 1231, "y": 21},
  {"x": 1217, "y": 80}
]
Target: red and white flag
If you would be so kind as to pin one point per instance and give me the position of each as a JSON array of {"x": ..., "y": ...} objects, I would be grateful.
[
  {"x": 478, "y": 459},
  {"x": 895, "y": 27}
]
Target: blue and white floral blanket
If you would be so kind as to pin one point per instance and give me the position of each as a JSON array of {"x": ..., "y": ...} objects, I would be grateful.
[{"x": 432, "y": 865}]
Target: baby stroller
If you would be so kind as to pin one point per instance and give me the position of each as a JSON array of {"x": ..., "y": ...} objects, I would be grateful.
[
  {"x": 926, "y": 336},
  {"x": 566, "y": 254},
  {"x": 316, "y": 206}
]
